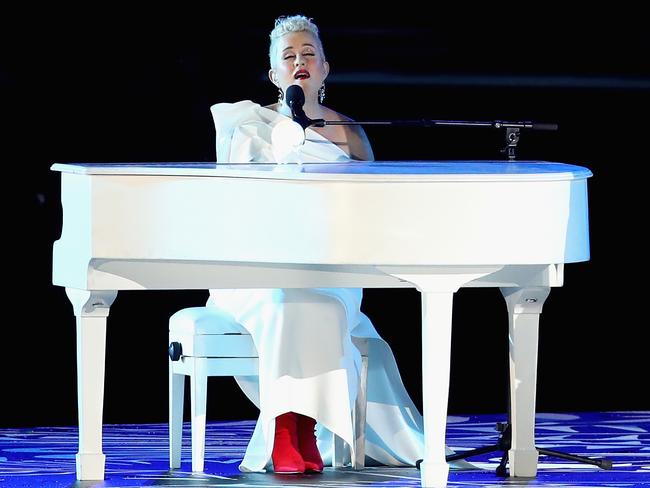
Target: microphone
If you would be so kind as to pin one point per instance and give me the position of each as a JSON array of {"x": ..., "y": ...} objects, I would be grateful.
[
  {"x": 296, "y": 99},
  {"x": 287, "y": 135}
]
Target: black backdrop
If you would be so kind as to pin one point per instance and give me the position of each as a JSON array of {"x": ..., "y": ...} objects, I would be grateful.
[{"x": 121, "y": 86}]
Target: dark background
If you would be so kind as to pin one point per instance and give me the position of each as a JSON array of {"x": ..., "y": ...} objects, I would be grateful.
[{"x": 118, "y": 85}]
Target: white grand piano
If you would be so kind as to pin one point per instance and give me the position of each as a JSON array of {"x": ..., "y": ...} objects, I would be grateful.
[{"x": 436, "y": 226}]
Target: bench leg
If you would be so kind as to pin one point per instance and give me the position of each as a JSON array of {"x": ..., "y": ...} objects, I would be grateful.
[
  {"x": 199, "y": 392},
  {"x": 176, "y": 397},
  {"x": 359, "y": 456}
]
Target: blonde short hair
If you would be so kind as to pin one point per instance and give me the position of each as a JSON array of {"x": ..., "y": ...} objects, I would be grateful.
[{"x": 293, "y": 23}]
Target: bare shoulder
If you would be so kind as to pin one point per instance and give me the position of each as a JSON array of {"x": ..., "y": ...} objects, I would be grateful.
[
  {"x": 334, "y": 115},
  {"x": 359, "y": 144}
]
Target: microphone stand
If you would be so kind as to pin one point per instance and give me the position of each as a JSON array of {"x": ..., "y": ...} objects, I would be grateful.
[{"x": 512, "y": 128}]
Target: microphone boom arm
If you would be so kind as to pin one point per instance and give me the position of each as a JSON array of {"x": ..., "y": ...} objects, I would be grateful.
[
  {"x": 512, "y": 128},
  {"x": 497, "y": 124}
]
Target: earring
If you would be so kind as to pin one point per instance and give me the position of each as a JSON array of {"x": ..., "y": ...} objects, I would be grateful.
[
  {"x": 321, "y": 93},
  {"x": 280, "y": 95}
]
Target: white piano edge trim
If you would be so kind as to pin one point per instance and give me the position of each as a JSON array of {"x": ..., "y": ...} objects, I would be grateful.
[
  {"x": 294, "y": 172},
  {"x": 159, "y": 275}
]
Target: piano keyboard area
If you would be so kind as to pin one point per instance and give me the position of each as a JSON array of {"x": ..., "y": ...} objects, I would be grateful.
[{"x": 137, "y": 455}]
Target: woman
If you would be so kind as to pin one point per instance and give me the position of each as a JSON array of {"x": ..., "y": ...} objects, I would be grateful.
[{"x": 309, "y": 368}]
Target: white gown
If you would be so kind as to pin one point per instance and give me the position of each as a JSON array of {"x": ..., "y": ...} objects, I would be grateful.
[{"x": 308, "y": 363}]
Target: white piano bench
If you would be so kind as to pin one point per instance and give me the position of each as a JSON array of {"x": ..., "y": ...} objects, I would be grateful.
[{"x": 205, "y": 341}]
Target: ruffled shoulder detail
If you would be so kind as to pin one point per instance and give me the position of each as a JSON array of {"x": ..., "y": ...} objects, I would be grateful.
[
  {"x": 227, "y": 117},
  {"x": 232, "y": 114}
]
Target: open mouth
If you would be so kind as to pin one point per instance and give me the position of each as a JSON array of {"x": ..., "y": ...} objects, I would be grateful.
[{"x": 301, "y": 75}]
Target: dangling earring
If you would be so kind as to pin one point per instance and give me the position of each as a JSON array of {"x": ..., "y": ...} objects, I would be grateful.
[
  {"x": 280, "y": 95},
  {"x": 321, "y": 93}
]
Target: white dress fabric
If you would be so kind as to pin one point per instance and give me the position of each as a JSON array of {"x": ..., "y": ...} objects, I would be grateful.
[{"x": 308, "y": 363}]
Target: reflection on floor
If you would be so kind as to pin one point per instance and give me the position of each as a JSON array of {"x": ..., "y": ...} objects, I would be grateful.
[{"x": 137, "y": 455}]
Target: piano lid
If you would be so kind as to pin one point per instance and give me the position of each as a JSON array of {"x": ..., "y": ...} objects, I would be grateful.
[{"x": 436, "y": 170}]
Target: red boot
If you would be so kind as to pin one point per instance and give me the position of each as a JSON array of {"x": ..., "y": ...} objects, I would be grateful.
[
  {"x": 307, "y": 444},
  {"x": 285, "y": 455}
]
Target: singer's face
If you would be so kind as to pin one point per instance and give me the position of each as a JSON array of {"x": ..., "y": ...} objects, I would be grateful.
[{"x": 299, "y": 60}]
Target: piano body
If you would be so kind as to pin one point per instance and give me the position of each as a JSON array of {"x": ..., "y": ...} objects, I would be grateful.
[{"x": 436, "y": 226}]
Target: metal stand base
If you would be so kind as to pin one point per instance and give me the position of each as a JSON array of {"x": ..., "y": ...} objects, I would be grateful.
[{"x": 503, "y": 445}]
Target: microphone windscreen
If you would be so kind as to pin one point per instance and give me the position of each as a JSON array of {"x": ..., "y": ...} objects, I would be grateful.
[{"x": 295, "y": 96}]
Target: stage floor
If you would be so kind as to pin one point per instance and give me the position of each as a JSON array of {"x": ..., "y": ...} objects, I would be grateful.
[{"x": 137, "y": 455}]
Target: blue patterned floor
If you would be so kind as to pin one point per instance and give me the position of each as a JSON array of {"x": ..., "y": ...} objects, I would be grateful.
[{"x": 137, "y": 456}]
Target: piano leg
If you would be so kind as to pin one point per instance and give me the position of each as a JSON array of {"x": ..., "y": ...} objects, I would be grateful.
[
  {"x": 436, "y": 356},
  {"x": 524, "y": 307},
  {"x": 91, "y": 309},
  {"x": 437, "y": 286}
]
